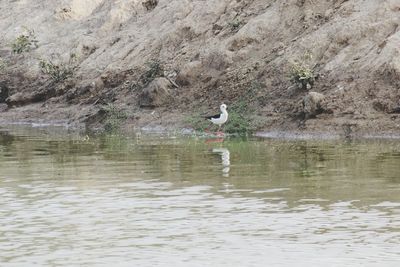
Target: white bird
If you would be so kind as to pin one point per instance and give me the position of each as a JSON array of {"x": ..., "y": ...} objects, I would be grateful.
[{"x": 219, "y": 119}]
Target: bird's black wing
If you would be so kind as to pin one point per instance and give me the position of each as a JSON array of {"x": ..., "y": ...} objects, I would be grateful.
[{"x": 213, "y": 117}]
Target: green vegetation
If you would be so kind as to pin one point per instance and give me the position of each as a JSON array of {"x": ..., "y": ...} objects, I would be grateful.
[
  {"x": 25, "y": 42},
  {"x": 302, "y": 75},
  {"x": 59, "y": 71},
  {"x": 154, "y": 70},
  {"x": 198, "y": 122},
  {"x": 240, "y": 119},
  {"x": 235, "y": 25},
  {"x": 301, "y": 72},
  {"x": 114, "y": 117}
]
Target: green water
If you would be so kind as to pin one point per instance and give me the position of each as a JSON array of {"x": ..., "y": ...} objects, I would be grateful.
[{"x": 145, "y": 200}]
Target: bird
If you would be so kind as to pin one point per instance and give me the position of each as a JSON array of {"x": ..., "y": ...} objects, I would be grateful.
[{"x": 219, "y": 119}]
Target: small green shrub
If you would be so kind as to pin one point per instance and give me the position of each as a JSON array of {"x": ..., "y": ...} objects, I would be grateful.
[
  {"x": 25, "y": 42},
  {"x": 301, "y": 72},
  {"x": 238, "y": 123},
  {"x": 302, "y": 75},
  {"x": 235, "y": 25},
  {"x": 114, "y": 117},
  {"x": 59, "y": 71},
  {"x": 155, "y": 69},
  {"x": 240, "y": 118},
  {"x": 198, "y": 122}
]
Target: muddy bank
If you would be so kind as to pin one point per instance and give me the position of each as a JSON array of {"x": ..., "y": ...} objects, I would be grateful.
[{"x": 299, "y": 66}]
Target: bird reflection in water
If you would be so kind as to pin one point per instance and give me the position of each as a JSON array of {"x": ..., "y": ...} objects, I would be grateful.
[{"x": 225, "y": 158}]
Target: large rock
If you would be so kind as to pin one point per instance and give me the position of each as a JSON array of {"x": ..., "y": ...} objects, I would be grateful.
[
  {"x": 156, "y": 94},
  {"x": 23, "y": 98},
  {"x": 189, "y": 74},
  {"x": 313, "y": 104},
  {"x": 18, "y": 99}
]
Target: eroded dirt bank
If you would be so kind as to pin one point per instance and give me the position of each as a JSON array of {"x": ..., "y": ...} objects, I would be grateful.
[{"x": 161, "y": 62}]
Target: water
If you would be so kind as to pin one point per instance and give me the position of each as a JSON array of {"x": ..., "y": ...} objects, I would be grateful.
[{"x": 158, "y": 201}]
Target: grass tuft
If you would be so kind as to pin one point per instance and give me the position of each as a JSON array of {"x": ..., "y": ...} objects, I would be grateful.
[
  {"x": 302, "y": 73},
  {"x": 235, "y": 25},
  {"x": 59, "y": 71},
  {"x": 25, "y": 42}
]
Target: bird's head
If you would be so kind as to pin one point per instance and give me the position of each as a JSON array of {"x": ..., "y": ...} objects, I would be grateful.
[{"x": 223, "y": 107}]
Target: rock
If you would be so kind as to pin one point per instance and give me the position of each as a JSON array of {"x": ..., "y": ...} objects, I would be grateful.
[
  {"x": 217, "y": 28},
  {"x": 313, "y": 104},
  {"x": 18, "y": 99},
  {"x": 396, "y": 110},
  {"x": 156, "y": 94},
  {"x": 381, "y": 105},
  {"x": 349, "y": 111},
  {"x": 189, "y": 74}
]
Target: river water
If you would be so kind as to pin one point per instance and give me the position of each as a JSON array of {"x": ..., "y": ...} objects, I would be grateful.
[{"x": 143, "y": 200}]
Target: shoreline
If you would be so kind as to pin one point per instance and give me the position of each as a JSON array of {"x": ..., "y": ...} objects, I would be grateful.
[{"x": 159, "y": 130}]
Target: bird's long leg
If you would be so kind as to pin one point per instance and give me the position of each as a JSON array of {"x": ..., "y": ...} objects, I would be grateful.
[{"x": 219, "y": 130}]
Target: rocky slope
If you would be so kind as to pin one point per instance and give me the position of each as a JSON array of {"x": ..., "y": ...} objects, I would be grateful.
[{"x": 164, "y": 60}]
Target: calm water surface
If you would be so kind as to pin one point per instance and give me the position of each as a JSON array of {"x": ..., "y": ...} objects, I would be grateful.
[{"x": 161, "y": 201}]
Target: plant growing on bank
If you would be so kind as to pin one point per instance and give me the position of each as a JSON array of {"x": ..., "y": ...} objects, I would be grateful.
[
  {"x": 302, "y": 75},
  {"x": 235, "y": 25},
  {"x": 114, "y": 117},
  {"x": 198, "y": 122},
  {"x": 240, "y": 118},
  {"x": 25, "y": 42},
  {"x": 301, "y": 72},
  {"x": 154, "y": 70},
  {"x": 59, "y": 71}
]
